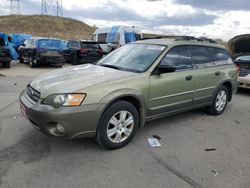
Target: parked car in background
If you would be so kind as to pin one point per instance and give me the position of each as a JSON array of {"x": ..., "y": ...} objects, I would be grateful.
[
  {"x": 81, "y": 51},
  {"x": 38, "y": 51},
  {"x": 110, "y": 38},
  {"x": 5, "y": 56},
  {"x": 243, "y": 63},
  {"x": 240, "y": 49},
  {"x": 136, "y": 83}
]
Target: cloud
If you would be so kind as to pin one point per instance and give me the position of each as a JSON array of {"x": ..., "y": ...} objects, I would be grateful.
[
  {"x": 217, "y": 4},
  {"x": 214, "y": 18}
]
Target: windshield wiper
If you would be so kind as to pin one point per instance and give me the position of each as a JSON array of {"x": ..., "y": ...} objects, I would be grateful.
[{"x": 110, "y": 66}]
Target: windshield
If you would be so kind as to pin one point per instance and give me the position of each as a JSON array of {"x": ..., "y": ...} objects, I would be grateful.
[
  {"x": 133, "y": 57},
  {"x": 51, "y": 44},
  {"x": 243, "y": 58}
]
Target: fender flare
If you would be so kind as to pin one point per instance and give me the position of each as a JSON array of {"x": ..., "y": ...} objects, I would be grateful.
[{"x": 122, "y": 93}]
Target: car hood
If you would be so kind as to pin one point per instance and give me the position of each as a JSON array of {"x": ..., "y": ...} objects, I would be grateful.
[{"x": 76, "y": 78}]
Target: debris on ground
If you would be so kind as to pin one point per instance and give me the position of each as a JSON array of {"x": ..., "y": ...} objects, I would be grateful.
[
  {"x": 210, "y": 149},
  {"x": 236, "y": 121},
  {"x": 156, "y": 136},
  {"x": 154, "y": 142},
  {"x": 216, "y": 173}
]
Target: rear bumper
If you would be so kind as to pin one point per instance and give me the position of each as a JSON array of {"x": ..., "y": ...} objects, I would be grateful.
[
  {"x": 88, "y": 59},
  {"x": 80, "y": 121},
  {"x": 51, "y": 59},
  {"x": 244, "y": 82}
]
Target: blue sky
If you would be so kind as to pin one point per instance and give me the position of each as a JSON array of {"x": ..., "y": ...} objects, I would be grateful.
[{"x": 212, "y": 18}]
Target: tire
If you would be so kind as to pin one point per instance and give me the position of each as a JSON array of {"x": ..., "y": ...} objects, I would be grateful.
[
  {"x": 114, "y": 121},
  {"x": 74, "y": 60},
  {"x": 6, "y": 65},
  {"x": 21, "y": 60},
  {"x": 31, "y": 62},
  {"x": 219, "y": 102}
]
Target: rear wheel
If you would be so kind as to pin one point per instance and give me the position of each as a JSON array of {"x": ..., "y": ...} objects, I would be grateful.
[
  {"x": 118, "y": 125},
  {"x": 21, "y": 60},
  {"x": 74, "y": 60},
  {"x": 220, "y": 101}
]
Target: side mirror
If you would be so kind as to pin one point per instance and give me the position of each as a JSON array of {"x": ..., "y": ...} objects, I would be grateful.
[{"x": 165, "y": 69}]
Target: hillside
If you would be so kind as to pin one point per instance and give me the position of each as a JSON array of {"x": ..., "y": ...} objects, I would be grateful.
[{"x": 47, "y": 26}]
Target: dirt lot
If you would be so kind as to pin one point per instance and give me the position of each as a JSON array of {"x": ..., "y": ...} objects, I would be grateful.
[{"x": 29, "y": 159}]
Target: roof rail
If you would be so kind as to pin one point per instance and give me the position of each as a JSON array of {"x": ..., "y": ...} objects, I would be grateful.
[{"x": 201, "y": 39}]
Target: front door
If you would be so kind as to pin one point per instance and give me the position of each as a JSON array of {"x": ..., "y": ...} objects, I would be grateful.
[{"x": 172, "y": 91}]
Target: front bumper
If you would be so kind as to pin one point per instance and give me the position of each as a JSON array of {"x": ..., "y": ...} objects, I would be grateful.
[
  {"x": 80, "y": 121},
  {"x": 244, "y": 82}
]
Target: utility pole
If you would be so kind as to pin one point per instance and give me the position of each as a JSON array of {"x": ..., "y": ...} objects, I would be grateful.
[
  {"x": 15, "y": 7},
  {"x": 52, "y": 7}
]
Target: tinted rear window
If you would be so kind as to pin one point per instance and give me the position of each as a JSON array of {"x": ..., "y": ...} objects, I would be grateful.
[
  {"x": 219, "y": 54},
  {"x": 90, "y": 45}
]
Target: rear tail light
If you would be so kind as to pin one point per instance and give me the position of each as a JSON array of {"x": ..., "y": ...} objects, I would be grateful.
[
  {"x": 100, "y": 51},
  {"x": 84, "y": 50},
  {"x": 237, "y": 68}
]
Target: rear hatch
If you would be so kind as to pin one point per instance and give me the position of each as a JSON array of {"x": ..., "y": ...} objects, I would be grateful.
[
  {"x": 239, "y": 47},
  {"x": 91, "y": 49}
]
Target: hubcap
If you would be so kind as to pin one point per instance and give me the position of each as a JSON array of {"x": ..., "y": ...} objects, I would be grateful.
[
  {"x": 221, "y": 100},
  {"x": 120, "y": 126}
]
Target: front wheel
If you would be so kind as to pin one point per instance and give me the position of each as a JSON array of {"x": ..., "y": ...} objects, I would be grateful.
[
  {"x": 31, "y": 62},
  {"x": 6, "y": 64},
  {"x": 118, "y": 125},
  {"x": 220, "y": 102}
]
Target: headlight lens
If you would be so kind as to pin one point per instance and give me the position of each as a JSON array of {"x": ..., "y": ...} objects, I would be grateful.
[{"x": 73, "y": 99}]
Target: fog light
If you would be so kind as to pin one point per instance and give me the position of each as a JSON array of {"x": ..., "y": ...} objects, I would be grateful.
[{"x": 60, "y": 128}]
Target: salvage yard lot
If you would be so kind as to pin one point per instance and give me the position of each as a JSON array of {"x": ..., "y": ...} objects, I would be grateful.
[{"x": 30, "y": 159}]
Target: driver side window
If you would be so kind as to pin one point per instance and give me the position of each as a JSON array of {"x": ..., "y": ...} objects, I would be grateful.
[{"x": 178, "y": 57}]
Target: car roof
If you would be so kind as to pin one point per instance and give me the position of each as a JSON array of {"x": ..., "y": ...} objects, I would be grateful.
[
  {"x": 44, "y": 38},
  {"x": 175, "y": 42}
]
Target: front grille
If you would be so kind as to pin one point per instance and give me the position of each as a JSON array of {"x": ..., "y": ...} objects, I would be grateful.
[{"x": 33, "y": 94}]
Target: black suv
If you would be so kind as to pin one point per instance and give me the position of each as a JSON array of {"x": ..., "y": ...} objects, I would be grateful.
[
  {"x": 80, "y": 51},
  {"x": 39, "y": 51}
]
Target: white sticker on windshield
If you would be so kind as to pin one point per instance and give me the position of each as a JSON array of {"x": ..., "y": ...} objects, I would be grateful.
[{"x": 155, "y": 47}]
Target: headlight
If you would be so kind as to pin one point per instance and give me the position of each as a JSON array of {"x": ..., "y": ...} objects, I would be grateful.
[{"x": 58, "y": 100}]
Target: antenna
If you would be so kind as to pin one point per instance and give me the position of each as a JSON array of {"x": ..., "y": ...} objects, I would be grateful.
[
  {"x": 52, "y": 7},
  {"x": 15, "y": 7}
]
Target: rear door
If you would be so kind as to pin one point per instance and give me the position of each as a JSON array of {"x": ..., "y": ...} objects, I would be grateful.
[
  {"x": 206, "y": 76},
  {"x": 172, "y": 91}
]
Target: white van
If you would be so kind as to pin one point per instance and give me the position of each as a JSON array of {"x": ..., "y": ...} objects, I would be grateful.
[{"x": 110, "y": 38}]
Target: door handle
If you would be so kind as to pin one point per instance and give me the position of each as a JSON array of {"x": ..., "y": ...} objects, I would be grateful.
[
  {"x": 217, "y": 73},
  {"x": 189, "y": 77}
]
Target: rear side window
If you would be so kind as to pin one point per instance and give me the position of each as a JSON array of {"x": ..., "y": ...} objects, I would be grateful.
[
  {"x": 201, "y": 57},
  {"x": 220, "y": 56},
  {"x": 102, "y": 37},
  {"x": 179, "y": 57},
  {"x": 90, "y": 45},
  {"x": 74, "y": 44}
]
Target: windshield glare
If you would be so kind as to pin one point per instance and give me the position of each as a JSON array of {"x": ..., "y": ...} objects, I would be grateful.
[
  {"x": 133, "y": 57},
  {"x": 51, "y": 44}
]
